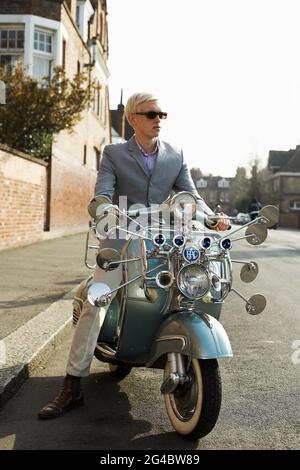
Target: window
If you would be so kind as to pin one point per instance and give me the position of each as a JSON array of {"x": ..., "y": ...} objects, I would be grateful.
[
  {"x": 12, "y": 39},
  {"x": 9, "y": 61},
  {"x": 84, "y": 154},
  {"x": 41, "y": 68},
  {"x": 64, "y": 47},
  {"x": 96, "y": 162},
  {"x": 98, "y": 100},
  {"x": 78, "y": 16},
  {"x": 11, "y": 46},
  {"x": 43, "y": 42},
  {"x": 223, "y": 183},
  {"x": 201, "y": 183},
  {"x": 295, "y": 205},
  {"x": 43, "y": 54}
]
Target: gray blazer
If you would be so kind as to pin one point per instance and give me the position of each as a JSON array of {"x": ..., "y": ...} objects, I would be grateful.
[{"x": 123, "y": 173}]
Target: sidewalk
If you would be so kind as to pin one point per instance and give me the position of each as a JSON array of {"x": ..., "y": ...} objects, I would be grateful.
[{"x": 36, "y": 290}]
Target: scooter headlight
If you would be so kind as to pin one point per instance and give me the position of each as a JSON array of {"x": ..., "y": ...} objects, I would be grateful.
[{"x": 193, "y": 281}]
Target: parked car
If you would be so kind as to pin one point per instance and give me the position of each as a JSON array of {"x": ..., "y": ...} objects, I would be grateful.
[{"x": 242, "y": 218}]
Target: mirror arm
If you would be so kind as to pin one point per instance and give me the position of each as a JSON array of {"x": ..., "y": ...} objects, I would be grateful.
[
  {"x": 242, "y": 262},
  {"x": 98, "y": 301},
  {"x": 87, "y": 246},
  {"x": 121, "y": 261},
  {"x": 241, "y": 238},
  {"x": 241, "y": 296},
  {"x": 252, "y": 222}
]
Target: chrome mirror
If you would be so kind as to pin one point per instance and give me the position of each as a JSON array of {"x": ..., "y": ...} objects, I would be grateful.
[
  {"x": 249, "y": 272},
  {"x": 108, "y": 259},
  {"x": 97, "y": 205},
  {"x": 99, "y": 294},
  {"x": 271, "y": 214},
  {"x": 183, "y": 200},
  {"x": 256, "y": 304},
  {"x": 256, "y": 234}
]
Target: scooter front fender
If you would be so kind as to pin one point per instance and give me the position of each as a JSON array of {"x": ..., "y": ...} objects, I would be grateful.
[{"x": 191, "y": 334}]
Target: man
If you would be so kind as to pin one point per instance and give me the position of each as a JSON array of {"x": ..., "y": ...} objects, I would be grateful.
[
  {"x": 254, "y": 208},
  {"x": 145, "y": 170}
]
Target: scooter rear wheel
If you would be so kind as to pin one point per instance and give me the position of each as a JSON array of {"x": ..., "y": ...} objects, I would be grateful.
[{"x": 193, "y": 408}]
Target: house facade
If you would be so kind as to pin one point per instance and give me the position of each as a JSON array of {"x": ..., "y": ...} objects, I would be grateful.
[
  {"x": 285, "y": 184},
  {"x": 43, "y": 34},
  {"x": 215, "y": 190}
]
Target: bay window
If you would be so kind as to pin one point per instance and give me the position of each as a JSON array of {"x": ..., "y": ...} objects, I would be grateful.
[
  {"x": 11, "y": 46},
  {"x": 43, "y": 54}
]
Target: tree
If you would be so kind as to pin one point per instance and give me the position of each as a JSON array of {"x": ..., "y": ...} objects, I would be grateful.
[
  {"x": 239, "y": 194},
  {"x": 35, "y": 111},
  {"x": 255, "y": 182},
  {"x": 196, "y": 173}
]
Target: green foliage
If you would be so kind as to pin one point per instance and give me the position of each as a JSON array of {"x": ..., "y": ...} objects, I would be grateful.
[
  {"x": 239, "y": 193},
  {"x": 196, "y": 173},
  {"x": 34, "y": 112}
]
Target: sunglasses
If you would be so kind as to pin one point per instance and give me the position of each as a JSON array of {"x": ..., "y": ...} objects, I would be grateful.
[{"x": 153, "y": 114}]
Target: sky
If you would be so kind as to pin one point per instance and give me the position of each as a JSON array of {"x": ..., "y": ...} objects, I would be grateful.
[{"x": 226, "y": 71}]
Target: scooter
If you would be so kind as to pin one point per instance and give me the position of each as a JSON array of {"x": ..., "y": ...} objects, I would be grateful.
[{"x": 165, "y": 312}]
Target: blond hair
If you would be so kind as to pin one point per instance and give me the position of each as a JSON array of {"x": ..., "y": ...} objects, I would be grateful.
[{"x": 135, "y": 100}]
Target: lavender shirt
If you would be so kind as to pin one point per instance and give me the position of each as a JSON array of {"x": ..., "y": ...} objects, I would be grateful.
[{"x": 150, "y": 158}]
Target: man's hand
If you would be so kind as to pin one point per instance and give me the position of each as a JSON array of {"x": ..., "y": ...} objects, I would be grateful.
[{"x": 222, "y": 224}]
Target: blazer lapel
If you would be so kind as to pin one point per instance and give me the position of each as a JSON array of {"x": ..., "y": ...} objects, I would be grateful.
[
  {"x": 159, "y": 159},
  {"x": 136, "y": 154}
]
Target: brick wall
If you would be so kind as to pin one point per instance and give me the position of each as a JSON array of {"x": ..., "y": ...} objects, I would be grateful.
[
  {"x": 72, "y": 187},
  {"x": 45, "y": 8},
  {"x": 22, "y": 198},
  {"x": 290, "y": 220}
]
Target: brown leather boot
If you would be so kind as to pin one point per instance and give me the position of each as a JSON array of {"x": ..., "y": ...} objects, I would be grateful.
[{"x": 69, "y": 396}]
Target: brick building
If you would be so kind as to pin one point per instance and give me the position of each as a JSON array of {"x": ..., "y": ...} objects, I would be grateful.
[
  {"x": 215, "y": 190},
  {"x": 285, "y": 184},
  {"x": 73, "y": 34}
]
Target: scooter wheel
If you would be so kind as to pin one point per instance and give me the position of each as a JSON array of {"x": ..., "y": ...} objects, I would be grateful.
[{"x": 193, "y": 408}]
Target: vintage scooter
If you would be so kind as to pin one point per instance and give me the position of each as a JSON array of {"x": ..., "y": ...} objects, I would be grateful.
[{"x": 165, "y": 311}]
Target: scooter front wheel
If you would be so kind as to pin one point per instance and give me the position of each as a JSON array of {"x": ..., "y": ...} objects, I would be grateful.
[{"x": 193, "y": 408}]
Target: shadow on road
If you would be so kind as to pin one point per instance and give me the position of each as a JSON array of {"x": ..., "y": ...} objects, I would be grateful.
[
  {"x": 105, "y": 422},
  {"x": 42, "y": 299}
]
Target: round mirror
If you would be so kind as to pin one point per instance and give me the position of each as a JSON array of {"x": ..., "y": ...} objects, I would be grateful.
[
  {"x": 256, "y": 234},
  {"x": 96, "y": 291},
  {"x": 256, "y": 304},
  {"x": 183, "y": 202},
  {"x": 97, "y": 205},
  {"x": 271, "y": 213},
  {"x": 107, "y": 256},
  {"x": 249, "y": 272}
]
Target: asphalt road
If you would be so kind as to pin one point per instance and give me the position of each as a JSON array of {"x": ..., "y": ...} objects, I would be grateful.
[{"x": 261, "y": 383}]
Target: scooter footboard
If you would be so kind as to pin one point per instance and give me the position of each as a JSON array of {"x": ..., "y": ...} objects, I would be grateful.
[{"x": 191, "y": 334}]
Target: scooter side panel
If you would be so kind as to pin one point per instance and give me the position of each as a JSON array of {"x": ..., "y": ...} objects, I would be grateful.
[{"x": 199, "y": 336}]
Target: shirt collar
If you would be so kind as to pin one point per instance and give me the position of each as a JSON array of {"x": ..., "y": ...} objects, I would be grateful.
[{"x": 145, "y": 153}]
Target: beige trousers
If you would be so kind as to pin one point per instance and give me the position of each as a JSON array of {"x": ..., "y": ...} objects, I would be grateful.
[{"x": 88, "y": 327}]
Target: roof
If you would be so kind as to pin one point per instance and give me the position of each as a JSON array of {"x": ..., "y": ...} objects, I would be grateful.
[
  {"x": 284, "y": 160},
  {"x": 293, "y": 164}
]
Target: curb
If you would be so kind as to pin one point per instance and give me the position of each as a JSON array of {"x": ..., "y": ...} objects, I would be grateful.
[{"x": 32, "y": 344}]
